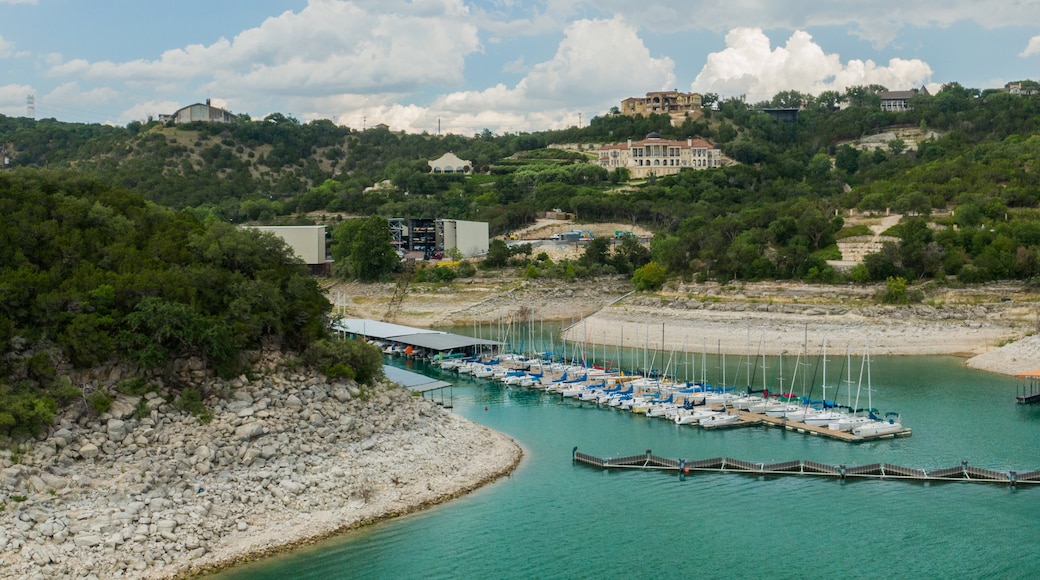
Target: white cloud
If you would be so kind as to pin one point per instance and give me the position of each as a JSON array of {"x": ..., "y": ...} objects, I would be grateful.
[
  {"x": 327, "y": 48},
  {"x": 73, "y": 94},
  {"x": 750, "y": 66},
  {"x": 6, "y": 48},
  {"x": 598, "y": 56},
  {"x": 515, "y": 66},
  {"x": 12, "y": 99},
  {"x": 596, "y": 60},
  {"x": 877, "y": 21},
  {"x": 17, "y": 1},
  {"x": 1032, "y": 48},
  {"x": 72, "y": 100},
  {"x": 141, "y": 111}
]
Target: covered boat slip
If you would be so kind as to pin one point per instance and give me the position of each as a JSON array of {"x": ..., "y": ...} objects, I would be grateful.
[
  {"x": 413, "y": 381},
  {"x": 418, "y": 383},
  {"x": 421, "y": 341}
]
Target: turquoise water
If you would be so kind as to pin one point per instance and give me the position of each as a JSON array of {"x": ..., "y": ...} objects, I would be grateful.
[{"x": 554, "y": 519}]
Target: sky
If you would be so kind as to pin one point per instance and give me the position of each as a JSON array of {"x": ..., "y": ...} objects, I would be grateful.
[{"x": 462, "y": 66}]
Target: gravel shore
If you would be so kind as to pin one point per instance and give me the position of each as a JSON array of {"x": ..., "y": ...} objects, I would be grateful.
[
  {"x": 146, "y": 491},
  {"x": 994, "y": 324},
  {"x": 996, "y": 341}
]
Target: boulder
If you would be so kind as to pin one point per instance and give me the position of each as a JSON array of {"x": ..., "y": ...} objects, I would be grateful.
[
  {"x": 87, "y": 540},
  {"x": 116, "y": 430},
  {"x": 341, "y": 394},
  {"x": 249, "y": 431},
  {"x": 89, "y": 451},
  {"x": 37, "y": 484},
  {"x": 124, "y": 406},
  {"x": 165, "y": 525},
  {"x": 242, "y": 395}
]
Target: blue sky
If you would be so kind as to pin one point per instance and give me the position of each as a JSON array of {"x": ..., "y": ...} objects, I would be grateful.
[{"x": 506, "y": 65}]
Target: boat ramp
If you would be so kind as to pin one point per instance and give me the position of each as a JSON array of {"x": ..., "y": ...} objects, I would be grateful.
[{"x": 963, "y": 472}]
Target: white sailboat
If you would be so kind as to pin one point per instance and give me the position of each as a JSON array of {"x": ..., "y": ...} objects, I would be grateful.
[
  {"x": 853, "y": 420},
  {"x": 890, "y": 424}
]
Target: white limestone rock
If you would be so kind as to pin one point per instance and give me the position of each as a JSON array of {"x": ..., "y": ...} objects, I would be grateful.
[{"x": 89, "y": 451}]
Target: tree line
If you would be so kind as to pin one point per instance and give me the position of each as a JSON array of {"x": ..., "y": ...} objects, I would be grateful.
[{"x": 92, "y": 274}]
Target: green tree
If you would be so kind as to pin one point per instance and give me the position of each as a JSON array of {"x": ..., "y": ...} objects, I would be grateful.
[
  {"x": 895, "y": 291},
  {"x": 596, "y": 252},
  {"x": 372, "y": 256},
  {"x": 497, "y": 255},
  {"x": 649, "y": 277}
]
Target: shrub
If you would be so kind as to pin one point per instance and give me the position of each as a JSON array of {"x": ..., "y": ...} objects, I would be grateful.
[
  {"x": 466, "y": 269},
  {"x": 135, "y": 386},
  {"x": 190, "y": 401},
  {"x": 340, "y": 358},
  {"x": 100, "y": 401},
  {"x": 649, "y": 277},
  {"x": 860, "y": 274},
  {"x": 895, "y": 291},
  {"x": 25, "y": 409}
]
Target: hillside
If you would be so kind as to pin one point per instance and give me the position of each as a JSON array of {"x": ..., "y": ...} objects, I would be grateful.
[{"x": 959, "y": 167}]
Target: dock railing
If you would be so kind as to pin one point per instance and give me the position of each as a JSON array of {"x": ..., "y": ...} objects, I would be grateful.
[{"x": 963, "y": 472}]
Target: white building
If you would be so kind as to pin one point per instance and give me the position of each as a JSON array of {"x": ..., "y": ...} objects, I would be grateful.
[
  {"x": 658, "y": 156},
  {"x": 307, "y": 242},
  {"x": 471, "y": 238},
  {"x": 199, "y": 112},
  {"x": 450, "y": 163}
]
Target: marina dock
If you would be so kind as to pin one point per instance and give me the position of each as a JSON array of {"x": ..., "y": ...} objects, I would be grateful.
[
  {"x": 1029, "y": 393},
  {"x": 961, "y": 473},
  {"x": 783, "y": 423}
]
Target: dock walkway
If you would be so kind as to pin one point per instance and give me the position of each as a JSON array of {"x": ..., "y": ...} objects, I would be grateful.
[
  {"x": 962, "y": 472},
  {"x": 784, "y": 423}
]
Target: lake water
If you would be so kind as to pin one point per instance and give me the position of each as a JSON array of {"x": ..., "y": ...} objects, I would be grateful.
[{"x": 555, "y": 519}]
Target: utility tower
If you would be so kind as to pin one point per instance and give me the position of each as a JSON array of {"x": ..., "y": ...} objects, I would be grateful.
[{"x": 30, "y": 106}]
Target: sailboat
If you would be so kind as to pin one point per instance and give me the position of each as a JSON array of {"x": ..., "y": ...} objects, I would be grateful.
[
  {"x": 820, "y": 417},
  {"x": 877, "y": 426},
  {"x": 853, "y": 420}
]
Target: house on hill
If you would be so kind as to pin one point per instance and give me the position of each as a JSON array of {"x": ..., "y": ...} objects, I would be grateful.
[
  {"x": 450, "y": 163},
  {"x": 672, "y": 103},
  {"x": 1022, "y": 88},
  {"x": 657, "y": 156},
  {"x": 203, "y": 113},
  {"x": 899, "y": 100}
]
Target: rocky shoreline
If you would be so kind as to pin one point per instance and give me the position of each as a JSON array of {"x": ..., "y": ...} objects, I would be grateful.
[{"x": 289, "y": 457}]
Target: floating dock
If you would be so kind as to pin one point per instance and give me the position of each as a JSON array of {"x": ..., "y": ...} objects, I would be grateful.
[
  {"x": 784, "y": 423},
  {"x": 748, "y": 419},
  {"x": 1029, "y": 394},
  {"x": 962, "y": 472}
]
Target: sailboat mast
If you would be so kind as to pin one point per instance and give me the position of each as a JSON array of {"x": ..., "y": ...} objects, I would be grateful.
[
  {"x": 823, "y": 383},
  {"x": 870, "y": 400},
  {"x": 748, "y": 357}
]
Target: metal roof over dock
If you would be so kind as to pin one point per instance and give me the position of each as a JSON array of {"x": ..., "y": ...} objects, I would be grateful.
[
  {"x": 420, "y": 337},
  {"x": 413, "y": 381}
]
